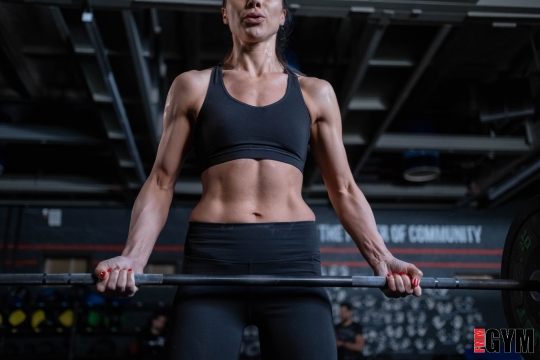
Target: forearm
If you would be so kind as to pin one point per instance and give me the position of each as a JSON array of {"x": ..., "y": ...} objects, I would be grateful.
[
  {"x": 148, "y": 217},
  {"x": 354, "y": 346},
  {"x": 357, "y": 219}
]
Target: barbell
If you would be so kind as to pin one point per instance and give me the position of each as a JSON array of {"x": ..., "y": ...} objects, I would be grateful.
[{"x": 532, "y": 285}]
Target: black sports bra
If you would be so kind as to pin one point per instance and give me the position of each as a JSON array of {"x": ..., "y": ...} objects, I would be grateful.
[{"x": 228, "y": 129}]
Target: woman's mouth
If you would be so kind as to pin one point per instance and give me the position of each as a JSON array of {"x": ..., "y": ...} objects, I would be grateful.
[{"x": 254, "y": 18}]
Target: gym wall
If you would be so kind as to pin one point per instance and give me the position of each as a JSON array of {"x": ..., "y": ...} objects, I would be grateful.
[{"x": 441, "y": 243}]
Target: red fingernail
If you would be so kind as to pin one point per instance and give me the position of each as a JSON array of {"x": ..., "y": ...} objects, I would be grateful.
[
  {"x": 117, "y": 268},
  {"x": 415, "y": 282},
  {"x": 109, "y": 270},
  {"x": 130, "y": 270},
  {"x": 410, "y": 277},
  {"x": 389, "y": 275},
  {"x": 401, "y": 274},
  {"x": 102, "y": 274}
]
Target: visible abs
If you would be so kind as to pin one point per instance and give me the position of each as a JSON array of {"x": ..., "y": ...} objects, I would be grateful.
[{"x": 249, "y": 190}]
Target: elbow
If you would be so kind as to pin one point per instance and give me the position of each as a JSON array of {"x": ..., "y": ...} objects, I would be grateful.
[
  {"x": 164, "y": 184},
  {"x": 348, "y": 189},
  {"x": 161, "y": 182},
  {"x": 343, "y": 190},
  {"x": 165, "y": 176}
]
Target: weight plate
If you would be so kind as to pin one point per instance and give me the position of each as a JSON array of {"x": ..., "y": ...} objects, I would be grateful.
[
  {"x": 37, "y": 318},
  {"x": 521, "y": 259},
  {"x": 16, "y": 318},
  {"x": 66, "y": 318}
]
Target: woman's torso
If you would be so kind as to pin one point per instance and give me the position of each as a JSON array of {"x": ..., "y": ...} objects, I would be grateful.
[{"x": 247, "y": 190}]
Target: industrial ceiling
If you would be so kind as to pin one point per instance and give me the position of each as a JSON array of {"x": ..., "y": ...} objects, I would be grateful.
[{"x": 82, "y": 87}]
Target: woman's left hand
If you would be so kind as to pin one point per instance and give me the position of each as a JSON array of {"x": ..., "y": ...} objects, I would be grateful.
[{"x": 402, "y": 278}]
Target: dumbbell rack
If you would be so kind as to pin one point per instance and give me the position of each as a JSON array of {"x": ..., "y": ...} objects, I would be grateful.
[{"x": 79, "y": 336}]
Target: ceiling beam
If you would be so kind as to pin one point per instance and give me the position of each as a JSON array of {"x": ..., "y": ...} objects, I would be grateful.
[
  {"x": 516, "y": 180},
  {"x": 494, "y": 180},
  {"x": 365, "y": 103},
  {"x": 84, "y": 185},
  {"x": 45, "y": 135},
  {"x": 188, "y": 187},
  {"x": 416, "y": 11},
  {"x": 54, "y": 184},
  {"x": 372, "y": 190},
  {"x": 376, "y": 190},
  {"x": 61, "y": 203},
  {"x": 397, "y": 142},
  {"x": 514, "y": 190},
  {"x": 403, "y": 96}
]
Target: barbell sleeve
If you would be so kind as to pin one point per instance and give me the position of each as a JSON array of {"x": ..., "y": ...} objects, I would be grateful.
[{"x": 270, "y": 280}]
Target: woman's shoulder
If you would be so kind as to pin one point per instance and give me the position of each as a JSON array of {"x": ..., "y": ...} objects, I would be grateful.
[
  {"x": 193, "y": 80},
  {"x": 191, "y": 87},
  {"x": 316, "y": 89}
]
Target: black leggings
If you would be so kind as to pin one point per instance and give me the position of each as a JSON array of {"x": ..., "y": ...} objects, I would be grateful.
[{"x": 294, "y": 322}]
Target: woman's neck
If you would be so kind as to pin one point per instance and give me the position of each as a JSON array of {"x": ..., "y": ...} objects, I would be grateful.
[{"x": 255, "y": 58}]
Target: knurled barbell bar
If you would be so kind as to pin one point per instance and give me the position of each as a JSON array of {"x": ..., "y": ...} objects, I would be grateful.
[{"x": 270, "y": 280}]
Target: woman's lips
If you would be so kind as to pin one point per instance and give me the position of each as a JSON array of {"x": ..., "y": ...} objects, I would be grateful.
[{"x": 254, "y": 19}]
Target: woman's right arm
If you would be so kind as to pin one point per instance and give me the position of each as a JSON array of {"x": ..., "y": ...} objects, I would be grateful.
[{"x": 152, "y": 205}]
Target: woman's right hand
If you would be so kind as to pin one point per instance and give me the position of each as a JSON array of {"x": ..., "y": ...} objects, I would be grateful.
[{"x": 117, "y": 276}]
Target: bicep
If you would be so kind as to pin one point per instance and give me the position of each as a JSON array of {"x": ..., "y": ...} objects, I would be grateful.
[{"x": 177, "y": 138}]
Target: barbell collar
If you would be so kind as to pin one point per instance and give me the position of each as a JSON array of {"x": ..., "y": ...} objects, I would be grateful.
[{"x": 270, "y": 280}]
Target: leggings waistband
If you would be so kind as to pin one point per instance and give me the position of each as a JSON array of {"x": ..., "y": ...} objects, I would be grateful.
[{"x": 247, "y": 242}]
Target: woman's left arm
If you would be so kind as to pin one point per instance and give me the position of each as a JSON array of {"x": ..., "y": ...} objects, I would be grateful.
[{"x": 349, "y": 202}]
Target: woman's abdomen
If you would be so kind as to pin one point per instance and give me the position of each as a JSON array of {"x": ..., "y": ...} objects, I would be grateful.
[{"x": 249, "y": 190}]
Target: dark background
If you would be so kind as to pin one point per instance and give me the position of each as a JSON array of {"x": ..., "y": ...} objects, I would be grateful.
[{"x": 457, "y": 79}]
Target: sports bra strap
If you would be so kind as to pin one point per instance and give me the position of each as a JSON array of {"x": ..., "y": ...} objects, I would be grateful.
[
  {"x": 294, "y": 83},
  {"x": 216, "y": 75}
]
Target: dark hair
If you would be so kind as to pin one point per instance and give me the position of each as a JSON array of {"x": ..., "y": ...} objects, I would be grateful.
[
  {"x": 159, "y": 313},
  {"x": 347, "y": 304},
  {"x": 282, "y": 36},
  {"x": 156, "y": 314}
]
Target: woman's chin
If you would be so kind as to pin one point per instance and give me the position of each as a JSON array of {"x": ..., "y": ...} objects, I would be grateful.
[{"x": 255, "y": 35}]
